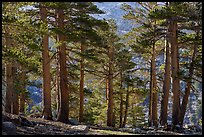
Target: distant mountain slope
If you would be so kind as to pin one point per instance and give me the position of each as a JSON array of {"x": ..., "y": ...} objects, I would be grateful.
[{"x": 113, "y": 11}]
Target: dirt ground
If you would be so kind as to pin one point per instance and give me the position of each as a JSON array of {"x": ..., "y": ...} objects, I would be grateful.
[{"x": 45, "y": 127}]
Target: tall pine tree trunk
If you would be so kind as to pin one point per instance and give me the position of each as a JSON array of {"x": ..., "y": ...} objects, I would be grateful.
[
  {"x": 9, "y": 79},
  {"x": 15, "y": 98},
  {"x": 22, "y": 102},
  {"x": 154, "y": 90},
  {"x": 166, "y": 88},
  {"x": 110, "y": 89},
  {"x": 121, "y": 101},
  {"x": 63, "y": 115},
  {"x": 150, "y": 122},
  {"x": 22, "y": 94},
  {"x": 9, "y": 87},
  {"x": 188, "y": 87},
  {"x": 55, "y": 97},
  {"x": 175, "y": 69},
  {"x": 126, "y": 106},
  {"x": 47, "y": 112},
  {"x": 57, "y": 84},
  {"x": 81, "y": 88}
]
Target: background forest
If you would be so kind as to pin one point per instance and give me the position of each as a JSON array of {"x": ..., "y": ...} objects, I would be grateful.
[{"x": 116, "y": 64}]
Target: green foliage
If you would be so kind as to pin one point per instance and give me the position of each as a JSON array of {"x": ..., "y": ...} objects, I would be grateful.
[
  {"x": 36, "y": 110},
  {"x": 32, "y": 63},
  {"x": 138, "y": 116},
  {"x": 95, "y": 108},
  {"x": 200, "y": 122}
]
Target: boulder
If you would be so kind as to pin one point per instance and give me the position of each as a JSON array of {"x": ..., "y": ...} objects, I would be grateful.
[
  {"x": 73, "y": 121},
  {"x": 9, "y": 128},
  {"x": 80, "y": 128}
]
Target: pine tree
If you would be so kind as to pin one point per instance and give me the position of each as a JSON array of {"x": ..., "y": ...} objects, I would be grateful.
[
  {"x": 166, "y": 83},
  {"x": 154, "y": 89},
  {"x": 174, "y": 66},
  {"x": 110, "y": 87},
  {"x": 15, "y": 96},
  {"x": 147, "y": 35},
  {"x": 166, "y": 87},
  {"x": 87, "y": 33},
  {"x": 22, "y": 94},
  {"x": 194, "y": 7},
  {"x": 47, "y": 112},
  {"x": 9, "y": 80},
  {"x": 64, "y": 90},
  {"x": 121, "y": 99}
]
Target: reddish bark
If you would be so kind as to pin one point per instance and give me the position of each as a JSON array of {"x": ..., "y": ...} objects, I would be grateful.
[
  {"x": 63, "y": 115},
  {"x": 47, "y": 112}
]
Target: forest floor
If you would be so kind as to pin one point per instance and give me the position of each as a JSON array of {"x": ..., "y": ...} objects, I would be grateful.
[{"x": 45, "y": 127}]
